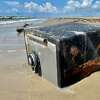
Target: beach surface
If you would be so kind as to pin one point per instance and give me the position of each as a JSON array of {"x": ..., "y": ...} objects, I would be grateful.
[{"x": 18, "y": 82}]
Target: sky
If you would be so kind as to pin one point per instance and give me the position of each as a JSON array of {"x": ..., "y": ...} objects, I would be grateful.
[{"x": 50, "y": 8}]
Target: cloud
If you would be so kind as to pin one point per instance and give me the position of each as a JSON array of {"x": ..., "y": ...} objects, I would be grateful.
[
  {"x": 45, "y": 8},
  {"x": 71, "y": 5},
  {"x": 86, "y": 3},
  {"x": 48, "y": 7},
  {"x": 12, "y": 10},
  {"x": 83, "y": 5},
  {"x": 96, "y": 5},
  {"x": 12, "y": 3},
  {"x": 31, "y": 6}
]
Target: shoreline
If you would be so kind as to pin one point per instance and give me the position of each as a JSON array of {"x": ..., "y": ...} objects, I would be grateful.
[{"x": 19, "y": 21}]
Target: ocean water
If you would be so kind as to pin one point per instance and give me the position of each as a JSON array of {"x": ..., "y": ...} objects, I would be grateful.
[{"x": 9, "y": 39}]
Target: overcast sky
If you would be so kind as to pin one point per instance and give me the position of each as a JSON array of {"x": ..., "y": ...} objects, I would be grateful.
[{"x": 50, "y": 8}]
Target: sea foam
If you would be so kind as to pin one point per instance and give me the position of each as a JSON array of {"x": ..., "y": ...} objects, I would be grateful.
[{"x": 19, "y": 21}]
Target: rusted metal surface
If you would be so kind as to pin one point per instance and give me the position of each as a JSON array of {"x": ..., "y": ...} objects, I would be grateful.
[
  {"x": 82, "y": 71},
  {"x": 74, "y": 52},
  {"x": 90, "y": 67},
  {"x": 77, "y": 49}
]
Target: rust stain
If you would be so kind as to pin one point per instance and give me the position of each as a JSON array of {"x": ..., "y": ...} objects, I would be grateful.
[
  {"x": 82, "y": 71},
  {"x": 98, "y": 48},
  {"x": 74, "y": 52},
  {"x": 90, "y": 67}
]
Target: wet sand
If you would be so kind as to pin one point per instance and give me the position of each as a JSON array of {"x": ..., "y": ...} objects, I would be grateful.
[{"x": 18, "y": 82}]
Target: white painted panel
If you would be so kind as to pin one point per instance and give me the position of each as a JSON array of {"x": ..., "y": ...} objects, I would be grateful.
[{"x": 47, "y": 55}]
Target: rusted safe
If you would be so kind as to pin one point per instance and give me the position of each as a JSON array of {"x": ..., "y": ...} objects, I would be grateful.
[{"x": 63, "y": 53}]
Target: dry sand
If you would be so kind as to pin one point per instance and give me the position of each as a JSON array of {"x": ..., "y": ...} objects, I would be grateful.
[
  {"x": 95, "y": 21},
  {"x": 18, "y": 82}
]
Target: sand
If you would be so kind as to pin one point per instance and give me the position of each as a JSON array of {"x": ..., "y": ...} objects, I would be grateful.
[
  {"x": 18, "y": 82},
  {"x": 93, "y": 21}
]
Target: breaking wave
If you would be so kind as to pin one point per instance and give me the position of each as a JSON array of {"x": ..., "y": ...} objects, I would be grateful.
[{"x": 19, "y": 21}]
